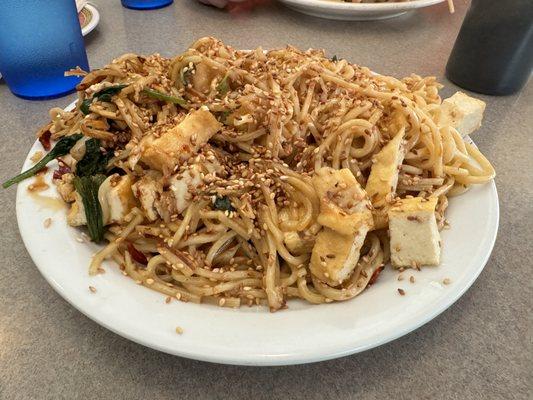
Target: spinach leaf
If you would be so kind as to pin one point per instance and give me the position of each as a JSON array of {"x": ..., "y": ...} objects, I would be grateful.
[
  {"x": 94, "y": 161},
  {"x": 85, "y": 104},
  {"x": 223, "y": 204},
  {"x": 165, "y": 97},
  {"x": 87, "y": 187},
  {"x": 222, "y": 116},
  {"x": 223, "y": 86},
  {"x": 103, "y": 95},
  {"x": 107, "y": 93},
  {"x": 90, "y": 173},
  {"x": 61, "y": 148}
]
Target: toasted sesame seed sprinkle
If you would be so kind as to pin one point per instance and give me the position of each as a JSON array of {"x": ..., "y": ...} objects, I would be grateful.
[
  {"x": 179, "y": 330},
  {"x": 412, "y": 279},
  {"x": 446, "y": 281},
  {"x": 92, "y": 289},
  {"x": 47, "y": 222},
  {"x": 401, "y": 291}
]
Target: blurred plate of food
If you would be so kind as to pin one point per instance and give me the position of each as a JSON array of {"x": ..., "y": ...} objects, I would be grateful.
[
  {"x": 357, "y": 10},
  {"x": 89, "y": 17}
]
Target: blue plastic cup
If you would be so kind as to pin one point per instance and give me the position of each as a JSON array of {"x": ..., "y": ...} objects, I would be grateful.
[
  {"x": 146, "y": 4},
  {"x": 39, "y": 41}
]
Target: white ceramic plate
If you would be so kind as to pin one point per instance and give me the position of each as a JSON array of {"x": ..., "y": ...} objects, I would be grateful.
[
  {"x": 356, "y": 11},
  {"x": 253, "y": 336}
]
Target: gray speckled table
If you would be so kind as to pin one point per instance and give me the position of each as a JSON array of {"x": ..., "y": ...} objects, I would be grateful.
[{"x": 481, "y": 348}]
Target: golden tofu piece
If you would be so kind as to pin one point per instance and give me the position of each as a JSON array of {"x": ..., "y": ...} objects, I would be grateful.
[
  {"x": 179, "y": 143},
  {"x": 462, "y": 112},
  {"x": 414, "y": 235},
  {"x": 204, "y": 75},
  {"x": 346, "y": 217},
  {"x": 76, "y": 214},
  {"x": 148, "y": 190},
  {"x": 65, "y": 187},
  {"x": 116, "y": 198},
  {"x": 384, "y": 172},
  {"x": 344, "y": 205},
  {"x": 335, "y": 255}
]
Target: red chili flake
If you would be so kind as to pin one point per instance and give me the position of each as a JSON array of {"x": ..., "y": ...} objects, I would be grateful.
[
  {"x": 45, "y": 140},
  {"x": 375, "y": 275},
  {"x": 62, "y": 170},
  {"x": 137, "y": 255}
]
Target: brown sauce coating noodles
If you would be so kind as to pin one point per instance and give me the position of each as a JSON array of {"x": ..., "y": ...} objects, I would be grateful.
[{"x": 285, "y": 113}]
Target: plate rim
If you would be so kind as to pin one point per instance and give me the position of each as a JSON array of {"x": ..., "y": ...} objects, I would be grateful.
[
  {"x": 314, "y": 355},
  {"x": 93, "y": 22},
  {"x": 392, "y": 6}
]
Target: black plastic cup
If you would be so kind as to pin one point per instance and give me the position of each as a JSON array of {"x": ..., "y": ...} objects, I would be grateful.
[{"x": 493, "y": 53}]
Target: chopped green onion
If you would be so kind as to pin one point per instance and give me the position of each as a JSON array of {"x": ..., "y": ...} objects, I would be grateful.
[
  {"x": 61, "y": 148},
  {"x": 165, "y": 97}
]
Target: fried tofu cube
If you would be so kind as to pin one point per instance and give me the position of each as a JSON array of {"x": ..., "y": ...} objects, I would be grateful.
[
  {"x": 204, "y": 76},
  {"x": 116, "y": 198},
  {"x": 462, "y": 112},
  {"x": 179, "y": 143},
  {"x": 148, "y": 191},
  {"x": 76, "y": 214},
  {"x": 346, "y": 217},
  {"x": 335, "y": 255},
  {"x": 65, "y": 187},
  {"x": 344, "y": 205},
  {"x": 414, "y": 235},
  {"x": 384, "y": 172}
]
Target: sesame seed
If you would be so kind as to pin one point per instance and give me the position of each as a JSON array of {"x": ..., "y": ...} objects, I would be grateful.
[
  {"x": 400, "y": 277},
  {"x": 47, "y": 222},
  {"x": 168, "y": 299},
  {"x": 149, "y": 281},
  {"x": 178, "y": 296},
  {"x": 446, "y": 281},
  {"x": 401, "y": 291},
  {"x": 412, "y": 279},
  {"x": 92, "y": 289},
  {"x": 179, "y": 330}
]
